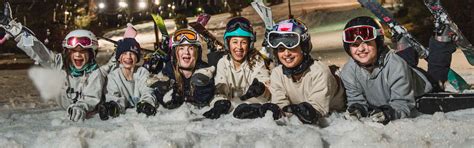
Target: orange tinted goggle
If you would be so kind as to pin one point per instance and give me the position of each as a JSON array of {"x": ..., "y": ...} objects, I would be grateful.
[{"x": 185, "y": 34}]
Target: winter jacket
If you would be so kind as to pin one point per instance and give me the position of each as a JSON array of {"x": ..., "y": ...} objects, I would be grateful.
[
  {"x": 86, "y": 89},
  {"x": 197, "y": 95},
  {"x": 128, "y": 93},
  {"x": 231, "y": 83},
  {"x": 393, "y": 83},
  {"x": 318, "y": 86}
]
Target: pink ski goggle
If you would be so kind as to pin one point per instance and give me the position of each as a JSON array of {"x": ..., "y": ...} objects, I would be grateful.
[
  {"x": 84, "y": 42},
  {"x": 363, "y": 32}
]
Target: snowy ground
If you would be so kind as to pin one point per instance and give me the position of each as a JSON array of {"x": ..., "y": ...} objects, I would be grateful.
[
  {"x": 185, "y": 127},
  {"x": 25, "y": 121}
]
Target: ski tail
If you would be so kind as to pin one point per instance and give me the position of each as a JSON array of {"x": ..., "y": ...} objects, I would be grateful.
[{"x": 265, "y": 14}]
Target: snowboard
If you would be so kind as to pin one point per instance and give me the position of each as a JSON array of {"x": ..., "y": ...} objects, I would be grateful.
[
  {"x": 444, "y": 102},
  {"x": 199, "y": 28},
  {"x": 398, "y": 30},
  {"x": 442, "y": 18},
  {"x": 154, "y": 62},
  {"x": 213, "y": 55}
]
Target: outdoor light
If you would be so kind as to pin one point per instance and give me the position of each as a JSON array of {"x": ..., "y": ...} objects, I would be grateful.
[
  {"x": 123, "y": 4},
  {"x": 66, "y": 12},
  {"x": 169, "y": 5},
  {"x": 156, "y": 2},
  {"x": 199, "y": 9},
  {"x": 142, "y": 5},
  {"x": 172, "y": 7},
  {"x": 101, "y": 5}
]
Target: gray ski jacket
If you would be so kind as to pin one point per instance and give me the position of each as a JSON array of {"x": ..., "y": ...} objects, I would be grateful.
[
  {"x": 86, "y": 90},
  {"x": 393, "y": 83},
  {"x": 128, "y": 93}
]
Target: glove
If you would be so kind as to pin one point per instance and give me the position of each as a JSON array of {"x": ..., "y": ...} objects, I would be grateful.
[
  {"x": 160, "y": 83},
  {"x": 175, "y": 102},
  {"x": 203, "y": 76},
  {"x": 76, "y": 112},
  {"x": 256, "y": 89},
  {"x": 304, "y": 111},
  {"x": 248, "y": 111},
  {"x": 202, "y": 95},
  {"x": 107, "y": 109},
  {"x": 11, "y": 26},
  {"x": 220, "y": 107},
  {"x": 355, "y": 111},
  {"x": 271, "y": 107},
  {"x": 147, "y": 108},
  {"x": 383, "y": 114}
]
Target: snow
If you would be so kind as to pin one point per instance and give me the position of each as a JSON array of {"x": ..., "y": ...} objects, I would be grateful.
[
  {"x": 185, "y": 127},
  {"x": 47, "y": 81}
]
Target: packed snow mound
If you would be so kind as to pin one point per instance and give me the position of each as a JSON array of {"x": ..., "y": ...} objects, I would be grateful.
[
  {"x": 48, "y": 82},
  {"x": 186, "y": 127}
]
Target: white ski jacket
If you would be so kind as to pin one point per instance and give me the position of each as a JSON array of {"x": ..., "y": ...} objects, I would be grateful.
[
  {"x": 86, "y": 90},
  {"x": 317, "y": 86},
  {"x": 394, "y": 83},
  {"x": 128, "y": 93},
  {"x": 231, "y": 83}
]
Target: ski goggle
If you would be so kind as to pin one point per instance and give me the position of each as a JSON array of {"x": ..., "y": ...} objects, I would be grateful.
[
  {"x": 288, "y": 40},
  {"x": 363, "y": 32},
  {"x": 84, "y": 42},
  {"x": 239, "y": 22},
  {"x": 185, "y": 35}
]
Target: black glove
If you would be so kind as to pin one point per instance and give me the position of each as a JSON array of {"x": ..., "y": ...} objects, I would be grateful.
[
  {"x": 271, "y": 107},
  {"x": 304, "y": 111},
  {"x": 256, "y": 89},
  {"x": 248, "y": 111},
  {"x": 383, "y": 114},
  {"x": 147, "y": 108},
  {"x": 357, "y": 110},
  {"x": 107, "y": 109},
  {"x": 176, "y": 101},
  {"x": 220, "y": 107}
]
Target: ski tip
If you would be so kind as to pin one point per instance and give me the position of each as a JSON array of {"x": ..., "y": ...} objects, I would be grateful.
[{"x": 7, "y": 10}]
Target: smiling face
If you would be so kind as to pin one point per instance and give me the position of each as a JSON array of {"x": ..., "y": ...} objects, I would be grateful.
[
  {"x": 186, "y": 56},
  {"x": 79, "y": 56},
  {"x": 128, "y": 59},
  {"x": 290, "y": 58},
  {"x": 239, "y": 47},
  {"x": 364, "y": 52}
]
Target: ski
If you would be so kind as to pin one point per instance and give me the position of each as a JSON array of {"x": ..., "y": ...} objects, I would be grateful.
[
  {"x": 444, "y": 102},
  {"x": 265, "y": 14},
  {"x": 398, "y": 30},
  {"x": 442, "y": 18}
]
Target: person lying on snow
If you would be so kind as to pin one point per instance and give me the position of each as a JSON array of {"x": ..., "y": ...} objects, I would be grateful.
[
  {"x": 301, "y": 85},
  {"x": 241, "y": 74},
  {"x": 379, "y": 82},
  {"x": 84, "y": 80},
  {"x": 126, "y": 85},
  {"x": 190, "y": 78}
]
